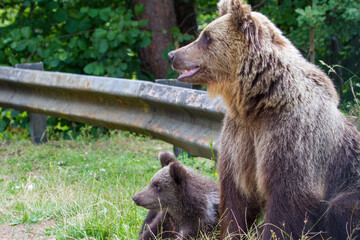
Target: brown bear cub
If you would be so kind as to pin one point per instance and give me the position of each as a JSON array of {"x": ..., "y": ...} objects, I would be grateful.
[
  {"x": 286, "y": 149},
  {"x": 182, "y": 203}
]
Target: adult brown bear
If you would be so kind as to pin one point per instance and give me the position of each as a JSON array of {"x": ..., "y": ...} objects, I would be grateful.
[{"x": 286, "y": 151}]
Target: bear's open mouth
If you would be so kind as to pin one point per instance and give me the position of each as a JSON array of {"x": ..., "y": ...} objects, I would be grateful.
[{"x": 189, "y": 72}]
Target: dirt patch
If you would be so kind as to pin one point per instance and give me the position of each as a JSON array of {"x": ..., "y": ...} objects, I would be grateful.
[{"x": 34, "y": 231}]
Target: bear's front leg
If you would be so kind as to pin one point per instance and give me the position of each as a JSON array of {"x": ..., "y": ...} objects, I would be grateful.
[
  {"x": 291, "y": 215},
  {"x": 189, "y": 229},
  {"x": 158, "y": 224},
  {"x": 237, "y": 213},
  {"x": 238, "y": 210}
]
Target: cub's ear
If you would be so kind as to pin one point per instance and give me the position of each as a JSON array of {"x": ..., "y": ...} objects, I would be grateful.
[
  {"x": 177, "y": 172},
  {"x": 166, "y": 158}
]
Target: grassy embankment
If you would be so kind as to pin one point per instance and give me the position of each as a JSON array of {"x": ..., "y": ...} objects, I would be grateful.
[{"x": 83, "y": 187}]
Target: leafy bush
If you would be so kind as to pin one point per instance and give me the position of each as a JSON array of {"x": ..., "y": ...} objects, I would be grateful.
[
  {"x": 11, "y": 121},
  {"x": 336, "y": 26},
  {"x": 85, "y": 37},
  {"x": 15, "y": 123}
]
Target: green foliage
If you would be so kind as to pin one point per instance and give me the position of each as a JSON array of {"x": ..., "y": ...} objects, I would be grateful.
[
  {"x": 336, "y": 25},
  {"x": 352, "y": 106},
  {"x": 85, "y": 37},
  {"x": 58, "y": 128},
  {"x": 15, "y": 123},
  {"x": 206, "y": 12},
  {"x": 13, "y": 120}
]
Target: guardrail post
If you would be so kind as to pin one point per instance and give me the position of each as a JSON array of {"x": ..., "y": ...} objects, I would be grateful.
[
  {"x": 37, "y": 121},
  {"x": 172, "y": 82}
]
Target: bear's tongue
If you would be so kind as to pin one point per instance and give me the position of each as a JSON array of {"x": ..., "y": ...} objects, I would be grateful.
[{"x": 187, "y": 73}]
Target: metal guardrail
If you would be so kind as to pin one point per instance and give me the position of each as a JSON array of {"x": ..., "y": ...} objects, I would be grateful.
[{"x": 184, "y": 117}]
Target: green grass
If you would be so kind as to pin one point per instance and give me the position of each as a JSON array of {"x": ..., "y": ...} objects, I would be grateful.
[{"x": 84, "y": 186}]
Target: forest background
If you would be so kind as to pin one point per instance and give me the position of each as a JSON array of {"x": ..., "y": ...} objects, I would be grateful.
[{"x": 131, "y": 39}]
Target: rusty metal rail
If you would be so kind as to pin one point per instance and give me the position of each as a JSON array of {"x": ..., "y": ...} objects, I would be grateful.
[{"x": 186, "y": 118}]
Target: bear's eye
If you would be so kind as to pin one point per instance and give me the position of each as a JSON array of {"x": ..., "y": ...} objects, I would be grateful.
[
  {"x": 206, "y": 38},
  {"x": 157, "y": 187}
]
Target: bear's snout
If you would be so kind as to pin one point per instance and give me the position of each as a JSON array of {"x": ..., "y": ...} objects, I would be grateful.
[
  {"x": 136, "y": 199},
  {"x": 171, "y": 55}
]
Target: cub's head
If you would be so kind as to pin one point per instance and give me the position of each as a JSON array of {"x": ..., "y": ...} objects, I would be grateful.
[
  {"x": 164, "y": 187},
  {"x": 221, "y": 49}
]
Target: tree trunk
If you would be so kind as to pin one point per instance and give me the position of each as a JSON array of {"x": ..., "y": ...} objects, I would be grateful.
[{"x": 161, "y": 19}]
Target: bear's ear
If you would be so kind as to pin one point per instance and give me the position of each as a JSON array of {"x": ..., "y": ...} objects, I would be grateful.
[
  {"x": 166, "y": 158},
  {"x": 177, "y": 172},
  {"x": 239, "y": 10},
  {"x": 241, "y": 17},
  {"x": 223, "y": 6}
]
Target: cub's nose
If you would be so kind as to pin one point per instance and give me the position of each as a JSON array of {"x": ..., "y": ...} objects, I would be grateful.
[
  {"x": 171, "y": 55},
  {"x": 135, "y": 198}
]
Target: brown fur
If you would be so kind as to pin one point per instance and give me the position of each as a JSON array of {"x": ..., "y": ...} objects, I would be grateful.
[
  {"x": 286, "y": 150},
  {"x": 182, "y": 203}
]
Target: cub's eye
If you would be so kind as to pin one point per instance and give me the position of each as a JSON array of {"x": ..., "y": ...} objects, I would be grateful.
[
  {"x": 206, "y": 38},
  {"x": 157, "y": 187}
]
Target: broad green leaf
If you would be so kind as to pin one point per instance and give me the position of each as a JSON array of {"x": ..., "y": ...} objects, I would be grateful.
[
  {"x": 111, "y": 35},
  {"x": 21, "y": 46},
  {"x": 2, "y": 125},
  {"x": 81, "y": 44},
  {"x": 105, "y": 14},
  {"x": 121, "y": 38},
  {"x": 119, "y": 73},
  {"x": 85, "y": 24},
  {"x": 99, "y": 71},
  {"x": 44, "y": 52},
  {"x": 100, "y": 33},
  {"x": 13, "y": 61},
  {"x": 145, "y": 42},
  {"x": 54, "y": 63},
  {"x": 71, "y": 26},
  {"x": 2, "y": 56},
  {"x": 142, "y": 23},
  {"x": 26, "y": 32},
  {"x": 110, "y": 69},
  {"x": 63, "y": 56},
  {"x": 31, "y": 47},
  {"x": 14, "y": 113},
  {"x": 84, "y": 9},
  {"x": 74, "y": 13},
  {"x": 93, "y": 12},
  {"x": 61, "y": 15},
  {"x": 123, "y": 66},
  {"x": 52, "y": 5},
  {"x": 103, "y": 46},
  {"x": 15, "y": 34},
  {"x": 134, "y": 33},
  {"x": 89, "y": 69},
  {"x": 138, "y": 9}
]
